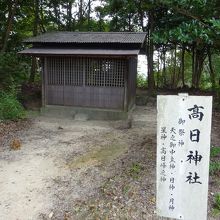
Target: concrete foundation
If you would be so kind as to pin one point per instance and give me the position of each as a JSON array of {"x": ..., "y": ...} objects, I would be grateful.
[{"x": 85, "y": 113}]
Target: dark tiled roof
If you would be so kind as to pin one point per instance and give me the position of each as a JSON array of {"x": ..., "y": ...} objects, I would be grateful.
[{"x": 89, "y": 37}]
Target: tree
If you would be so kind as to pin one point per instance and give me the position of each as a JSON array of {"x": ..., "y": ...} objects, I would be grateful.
[
  {"x": 12, "y": 7},
  {"x": 189, "y": 25},
  {"x": 35, "y": 32}
]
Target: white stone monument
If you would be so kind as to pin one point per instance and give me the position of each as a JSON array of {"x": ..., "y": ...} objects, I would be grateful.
[{"x": 183, "y": 149}]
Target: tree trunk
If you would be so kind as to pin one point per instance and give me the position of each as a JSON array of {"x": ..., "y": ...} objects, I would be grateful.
[
  {"x": 150, "y": 53},
  {"x": 141, "y": 15},
  {"x": 57, "y": 15},
  {"x": 89, "y": 15},
  {"x": 12, "y": 6},
  {"x": 212, "y": 73},
  {"x": 197, "y": 67},
  {"x": 183, "y": 66},
  {"x": 164, "y": 68},
  {"x": 174, "y": 70},
  {"x": 33, "y": 69},
  {"x": 69, "y": 15},
  {"x": 80, "y": 17},
  {"x": 193, "y": 65},
  {"x": 35, "y": 32},
  {"x": 158, "y": 70},
  {"x": 200, "y": 61},
  {"x": 41, "y": 15},
  {"x": 129, "y": 22}
]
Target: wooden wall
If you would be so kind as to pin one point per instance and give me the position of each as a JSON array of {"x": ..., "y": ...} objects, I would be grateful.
[{"x": 80, "y": 82}]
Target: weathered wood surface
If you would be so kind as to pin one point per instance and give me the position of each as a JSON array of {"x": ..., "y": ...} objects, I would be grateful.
[
  {"x": 131, "y": 87},
  {"x": 86, "y": 82}
]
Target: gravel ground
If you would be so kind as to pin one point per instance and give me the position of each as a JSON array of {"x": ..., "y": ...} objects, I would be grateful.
[{"x": 67, "y": 169}]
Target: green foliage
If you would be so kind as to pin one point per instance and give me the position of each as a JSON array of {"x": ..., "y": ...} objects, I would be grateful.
[
  {"x": 186, "y": 32},
  {"x": 141, "y": 81},
  {"x": 135, "y": 170},
  {"x": 13, "y": 70},
  {"x": 214, "y": 168},
  {"x": 126, "y": 189},
  {"x": 188, "y": 24},
  {"x": 216, "y": 209},
  {"x": 215, "y": 151},
  {"x": 10, "y": 107}
]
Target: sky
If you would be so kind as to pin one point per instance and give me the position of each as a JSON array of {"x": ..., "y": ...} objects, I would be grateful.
[{"x": 142, "y": 65}]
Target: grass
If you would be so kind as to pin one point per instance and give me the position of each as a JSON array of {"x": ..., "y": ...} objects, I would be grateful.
[
  {"x": 126, "y": 189},
  {"x": 214, "y": 168},
  {"x": 216, "y": 208},
  {"x": 135, "y": 170},
  {"x": 215, "y": 151}
]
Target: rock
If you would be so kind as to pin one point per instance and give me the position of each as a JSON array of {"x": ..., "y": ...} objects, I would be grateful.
[
  {"x": 15, "y": 144},
  {"x": 50, "y": 215}
]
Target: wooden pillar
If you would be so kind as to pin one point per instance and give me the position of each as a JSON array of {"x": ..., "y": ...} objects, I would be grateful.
[
  {"x": 84, "y": 69},
  {"x": 126, "y": 86},
  {"x": 44, "y": 82}
]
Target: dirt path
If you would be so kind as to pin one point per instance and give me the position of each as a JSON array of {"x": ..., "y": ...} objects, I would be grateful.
[{"x": 81, "y": 170}]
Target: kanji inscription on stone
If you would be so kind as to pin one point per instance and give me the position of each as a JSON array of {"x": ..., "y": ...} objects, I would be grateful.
[{"x": 183, "y": 148}]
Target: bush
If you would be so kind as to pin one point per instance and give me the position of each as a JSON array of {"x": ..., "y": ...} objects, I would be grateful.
[
  {"x": 14, "y": 70},
  {"x": 141, "y": 81},
  {"x": 10, "y": 107}
]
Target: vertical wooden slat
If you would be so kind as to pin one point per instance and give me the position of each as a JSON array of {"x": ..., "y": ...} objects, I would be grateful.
[
  {"x": 63, "y": 77},
  {"x": 67, "y": 73},
  {"x": 81, "y": 71},
  {"x": 74, "y": 69},
  {"x": 84, "y": 71},
  {"x": 125, "y": 89},
  {"x": 46, "y": 82},
  {"x": 70, "y": 72},
  {"x": 56, "y": 69},
  {"x": 51, "y": 61},
  {"x": 60, "y": 71},
  {"x": 48, "y": 71},
  {"x": 51, "y": 70},
  {"x": 92, "y": 70},
  {"x": 43, "y": 81},
  {"x": 103, "y": 74},
  {"x": 56, "y": 76}
]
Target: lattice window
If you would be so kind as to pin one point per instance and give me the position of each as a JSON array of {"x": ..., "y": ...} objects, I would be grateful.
[
  {"x": 97, "y": 72},
  {"x": 67, "y": 70},
  {"x": 105, "y": 72},
  {"x": 54, "y": 70},
  {"x": 74, "y": 71}
]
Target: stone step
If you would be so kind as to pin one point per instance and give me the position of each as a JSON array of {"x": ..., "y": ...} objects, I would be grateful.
[{"x": 81, "y": 117}]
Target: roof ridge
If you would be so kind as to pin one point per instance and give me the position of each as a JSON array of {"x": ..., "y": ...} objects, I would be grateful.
[{"x": 99, "y": 32}]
